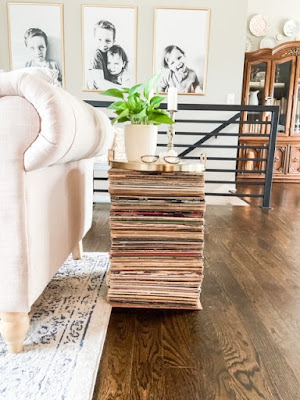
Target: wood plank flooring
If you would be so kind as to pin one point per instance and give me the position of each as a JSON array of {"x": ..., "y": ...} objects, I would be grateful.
[{"x": 245, "y": 343}]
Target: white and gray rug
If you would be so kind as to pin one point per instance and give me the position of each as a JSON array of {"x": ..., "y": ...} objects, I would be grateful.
[{"x": 63, "y": 347}]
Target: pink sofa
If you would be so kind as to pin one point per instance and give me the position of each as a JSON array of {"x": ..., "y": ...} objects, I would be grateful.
[{"x": 48, "y": 140}]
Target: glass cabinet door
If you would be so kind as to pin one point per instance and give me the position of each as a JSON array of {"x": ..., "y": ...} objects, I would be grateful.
[
  {"x": 257, "y": 83},
  {"x": 295, "y": 125},
  {"x": 297, "y": 112},
  {"x": 282, "y": 87},
  {"x": 255, "y": 94}
]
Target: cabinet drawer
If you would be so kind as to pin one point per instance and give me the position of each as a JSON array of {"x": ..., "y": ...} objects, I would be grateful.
[
  {"x": 252, "y": 161},
  {"x": 294, "y": 164},
  {"x": 253, "y": 165},
  {"x": 280, "y": 160}
]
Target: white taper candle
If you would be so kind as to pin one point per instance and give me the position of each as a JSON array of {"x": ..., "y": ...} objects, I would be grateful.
[{"x": 172, "y": 99}]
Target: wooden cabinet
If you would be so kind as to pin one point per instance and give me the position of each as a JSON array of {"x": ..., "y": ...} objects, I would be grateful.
[{"x": 272, "y": 76}]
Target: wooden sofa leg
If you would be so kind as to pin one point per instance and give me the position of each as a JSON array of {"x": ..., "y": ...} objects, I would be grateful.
[
  {"x": 77, "y": 251},
  {"x": 13, "y": 328}
]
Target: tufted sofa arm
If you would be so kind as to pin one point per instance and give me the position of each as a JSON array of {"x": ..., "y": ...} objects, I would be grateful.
[{"x": 69, "y": 130}]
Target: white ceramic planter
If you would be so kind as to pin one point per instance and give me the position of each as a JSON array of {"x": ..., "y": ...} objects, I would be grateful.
[{"x": 140, "y": 140}]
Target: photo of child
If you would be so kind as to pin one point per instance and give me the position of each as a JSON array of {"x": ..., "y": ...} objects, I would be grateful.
[
  {"x": 117, "y": 63},
  {"x": 104, "y": 34},
  {"x": 180, "y": 50},
  {"x": 176, "y": 73},
  {"x": 106, "y": 49},
  {"x": 110, "y": 62},
  {"x": 36, "y": 37},
  {"x": 36, "y": 42}
]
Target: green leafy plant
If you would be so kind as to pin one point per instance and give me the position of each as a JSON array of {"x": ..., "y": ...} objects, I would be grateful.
[{"x": 136, "y": 106}]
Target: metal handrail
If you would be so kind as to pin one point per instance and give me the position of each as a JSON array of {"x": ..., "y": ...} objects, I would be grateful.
[{"x": 241, "y": 111}]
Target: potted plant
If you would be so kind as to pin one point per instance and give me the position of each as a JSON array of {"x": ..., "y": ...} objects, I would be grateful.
[{"x": 137, "y": 106}]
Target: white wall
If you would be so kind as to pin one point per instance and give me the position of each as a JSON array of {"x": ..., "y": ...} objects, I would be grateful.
[
  {"x": 228, "y": 31},
  {"x": 278, "y": 12},
  {"x": 226, "y": 47},
  {"x": 225, "y": 54}
]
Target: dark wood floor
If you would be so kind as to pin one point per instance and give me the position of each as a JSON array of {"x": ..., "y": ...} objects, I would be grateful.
[{"x": 245, "y": 343}]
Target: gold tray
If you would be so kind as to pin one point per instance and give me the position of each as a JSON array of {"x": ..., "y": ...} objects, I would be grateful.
[{"x": 157, "y": 166}]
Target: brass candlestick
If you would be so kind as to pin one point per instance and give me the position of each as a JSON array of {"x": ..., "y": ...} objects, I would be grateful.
[{"x": 171, "y": 131}]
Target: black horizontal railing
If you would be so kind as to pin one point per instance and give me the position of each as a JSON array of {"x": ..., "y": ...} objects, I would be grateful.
[{"x": 265, "y": 120}]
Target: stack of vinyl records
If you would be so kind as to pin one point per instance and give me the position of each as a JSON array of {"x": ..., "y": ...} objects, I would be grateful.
[{"x": 157, "y": 232}]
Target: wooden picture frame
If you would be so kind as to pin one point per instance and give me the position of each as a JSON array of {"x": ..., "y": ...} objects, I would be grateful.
[
  {"x": 109, "y": 45},
  {"x": 181, "y": 40},
  {"x": 36, "y": 36}
]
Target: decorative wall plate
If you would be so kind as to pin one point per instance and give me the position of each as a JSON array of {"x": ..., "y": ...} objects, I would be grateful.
[
  {"x": 279, "y": 37},
  {"x": 259, "y": 25},
  {"x": 291, "y": 27},
  {"x": 267, "y": 42}
]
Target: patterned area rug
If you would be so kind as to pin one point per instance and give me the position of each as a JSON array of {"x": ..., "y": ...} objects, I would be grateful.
[{"x": 63, "y": 347}]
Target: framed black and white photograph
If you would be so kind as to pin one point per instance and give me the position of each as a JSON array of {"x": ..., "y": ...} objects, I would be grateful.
[
  {"x": 36, "y": 36},
  {"x": 181, "y": 37},
  {"x": 109, "y": 35}
]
